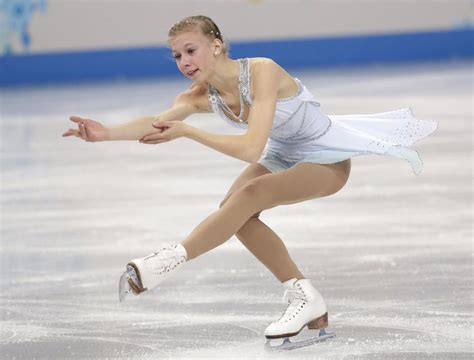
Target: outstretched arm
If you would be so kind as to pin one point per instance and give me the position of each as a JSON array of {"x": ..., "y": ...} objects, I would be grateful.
[
  {"x": 138, "y": 128},
  {"x": 91, "y": 130}
]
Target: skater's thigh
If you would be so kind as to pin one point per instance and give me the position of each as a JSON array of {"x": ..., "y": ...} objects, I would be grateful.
[
  {"x": 251, "y": 172},
  {"x": 304, "y": 181}
]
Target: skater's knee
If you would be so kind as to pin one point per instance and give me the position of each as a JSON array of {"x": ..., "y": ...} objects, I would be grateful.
[
  {"x": 254, "y": 216},
  {"x": 252, "y": 196},
  {"x": 253, "y": 192},
  {"x": 251, "y": 189}
]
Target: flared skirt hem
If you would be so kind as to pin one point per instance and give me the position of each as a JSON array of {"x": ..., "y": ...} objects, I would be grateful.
[{"x": 390, "y": 133}]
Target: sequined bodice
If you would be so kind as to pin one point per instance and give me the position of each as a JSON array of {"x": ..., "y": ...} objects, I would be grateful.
[
  {"x": 297, "y": 120},
  {"x": 301, "y": 132},
  {"x": 219, "y": 106}
]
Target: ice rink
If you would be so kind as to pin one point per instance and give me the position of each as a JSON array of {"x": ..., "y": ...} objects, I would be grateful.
[{"x": 391, "y": 252}]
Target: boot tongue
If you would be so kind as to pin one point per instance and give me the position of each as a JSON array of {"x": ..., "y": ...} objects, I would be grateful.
[{"x": 290, "y": 284}]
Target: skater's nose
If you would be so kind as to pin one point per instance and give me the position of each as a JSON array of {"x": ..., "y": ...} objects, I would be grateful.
[{"x": 185, "y": 61}]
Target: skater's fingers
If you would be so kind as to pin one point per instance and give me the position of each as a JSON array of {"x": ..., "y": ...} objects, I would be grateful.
[
  {"x": 163, "y": 124},
  {"x": 152, "y": 142},
  {"x": 73, "y": 132},
  {"x": 69, "y": 132},
  {"x": 78, "y": 134},
  {"x": 76, "y": 119},
  {"x": 154, "y": 136},
  {"x": 83, "y": 131}
]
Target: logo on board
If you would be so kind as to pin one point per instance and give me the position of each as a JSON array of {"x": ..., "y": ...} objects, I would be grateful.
[{"x": 15, "y": 20}]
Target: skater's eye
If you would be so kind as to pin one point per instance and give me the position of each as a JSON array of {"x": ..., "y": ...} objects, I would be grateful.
[
  {"x": 191, "y": 51},
  {"x": 177, "y": 56}
]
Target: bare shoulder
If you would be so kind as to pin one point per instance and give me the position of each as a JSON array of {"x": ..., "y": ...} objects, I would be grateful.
[
  {"x": 265, "y": 70},
  {"x": 263, "y": 64},
  {"x": 196, "y": 96},
  {"x": 268, "y": 71}
]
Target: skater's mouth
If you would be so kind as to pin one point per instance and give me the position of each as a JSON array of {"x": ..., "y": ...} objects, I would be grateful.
[{"x": 192, "y": 73}]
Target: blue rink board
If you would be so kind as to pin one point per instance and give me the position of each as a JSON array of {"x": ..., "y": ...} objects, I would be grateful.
[{"x": 312, "y": 52}]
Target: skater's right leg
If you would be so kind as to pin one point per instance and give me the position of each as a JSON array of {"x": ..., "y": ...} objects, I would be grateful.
[{"x": 305, "y": 305}]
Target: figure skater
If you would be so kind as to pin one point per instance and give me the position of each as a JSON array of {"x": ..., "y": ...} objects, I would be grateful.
[{"x": 295, "y": 153}]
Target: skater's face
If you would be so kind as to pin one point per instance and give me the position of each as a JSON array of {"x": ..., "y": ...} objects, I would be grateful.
[{"x": 194, "y": 54}]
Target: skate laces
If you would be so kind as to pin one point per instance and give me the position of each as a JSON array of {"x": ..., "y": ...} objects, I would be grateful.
[
  {"x": 291, "y": 295},
  {"x": 294, "y": 299},
  {"x": 164, "y": 260}
]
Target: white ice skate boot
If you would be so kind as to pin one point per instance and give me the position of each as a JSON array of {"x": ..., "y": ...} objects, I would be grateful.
[
  {"x": 146, "y": 273},
  {"x": 305, "y": 308}
]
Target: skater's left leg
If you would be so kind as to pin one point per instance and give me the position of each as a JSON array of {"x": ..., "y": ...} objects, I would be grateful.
[{"x": 302, "y": 182}]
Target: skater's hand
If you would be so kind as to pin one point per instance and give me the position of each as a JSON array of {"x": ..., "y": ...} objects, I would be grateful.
[
  {"x": 88, "y": 130},
  {"x": 170, "y": 130}
]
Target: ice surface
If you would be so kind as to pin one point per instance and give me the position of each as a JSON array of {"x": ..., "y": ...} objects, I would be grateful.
[{"x": 391, "y": 252}]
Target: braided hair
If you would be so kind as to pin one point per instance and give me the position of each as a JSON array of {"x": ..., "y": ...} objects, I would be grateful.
[{"x": 204, "y": 24}]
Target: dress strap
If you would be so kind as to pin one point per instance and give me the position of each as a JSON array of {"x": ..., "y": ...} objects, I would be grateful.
[
  {"x": 244, "y": 81},
  {"x": 213, "y": 98},
  {"x": 219, "y": 106}
]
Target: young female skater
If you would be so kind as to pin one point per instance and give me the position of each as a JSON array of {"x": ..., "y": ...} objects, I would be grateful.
[{"x": 295, "y": 153}]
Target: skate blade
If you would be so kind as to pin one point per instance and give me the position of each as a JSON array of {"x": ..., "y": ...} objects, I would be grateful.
[
  {"x": 124, "y": 287},
  {"x": 129, "y": 283},
  {"x": 290, "y": 343}
]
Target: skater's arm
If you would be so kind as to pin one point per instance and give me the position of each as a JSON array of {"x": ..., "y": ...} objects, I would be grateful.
[
  {"x": 248, "y": 146},
  {"x": 236, "y": 146},
  {"x": 90, "y": 130},
  {"x": 138, "y": 128}
]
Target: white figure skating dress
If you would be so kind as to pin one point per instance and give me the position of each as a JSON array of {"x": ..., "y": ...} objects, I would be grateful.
[{"x": 301, "y": 132}]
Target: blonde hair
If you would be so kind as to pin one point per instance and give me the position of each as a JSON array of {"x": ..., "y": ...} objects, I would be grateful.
[{"x": 202, "y": 23}]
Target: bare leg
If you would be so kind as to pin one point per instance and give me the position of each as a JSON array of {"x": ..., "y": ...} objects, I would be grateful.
[
  {"x": 302, "y": 182},
  {"x": 267, "y": 247},
  {"x": 258, "y": 238}
]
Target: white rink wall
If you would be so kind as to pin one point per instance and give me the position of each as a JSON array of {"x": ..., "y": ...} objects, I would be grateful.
[
  {"x": 74, "y": 25},
  {"x": 39, "y": 39}
]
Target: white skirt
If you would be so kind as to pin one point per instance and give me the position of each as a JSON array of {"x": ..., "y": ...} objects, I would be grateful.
[{"x": 388, "y": 133}]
